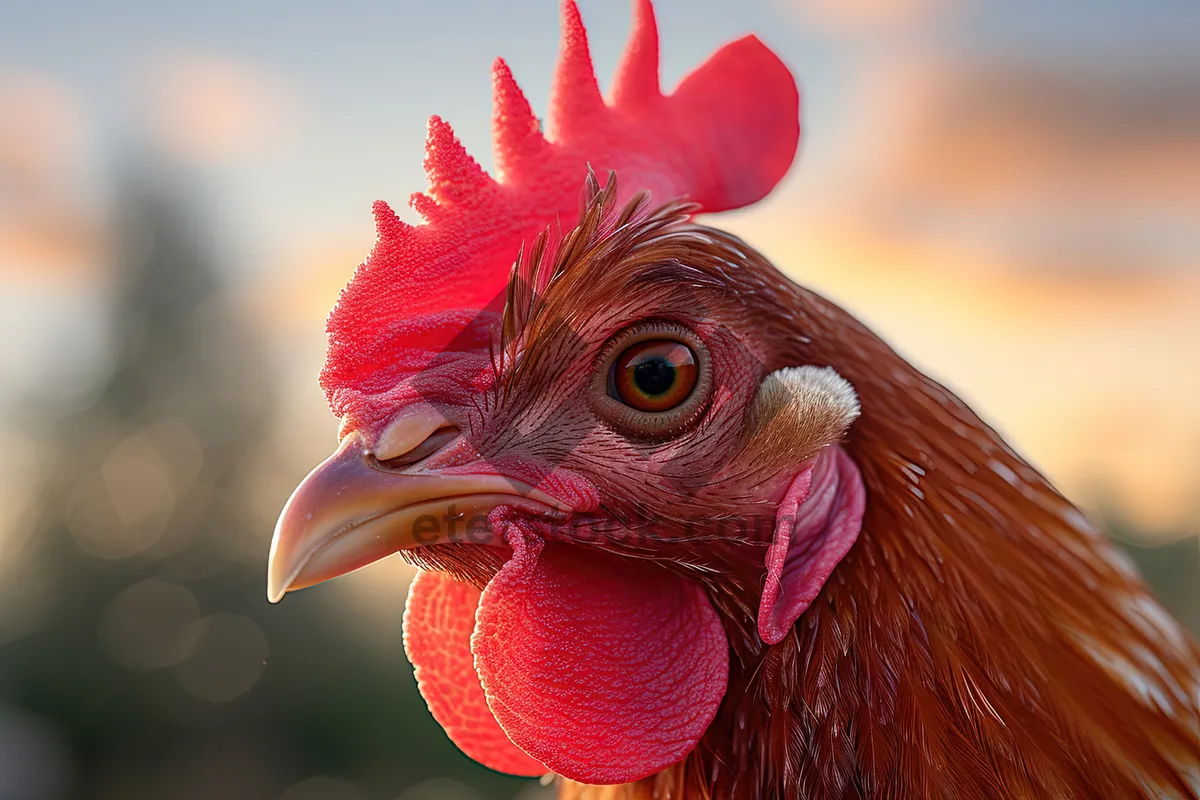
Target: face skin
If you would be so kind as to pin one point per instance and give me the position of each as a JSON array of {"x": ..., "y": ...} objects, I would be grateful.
[
  {"x": 555, "y": 445},
  {"x": 551, "y": 433}
]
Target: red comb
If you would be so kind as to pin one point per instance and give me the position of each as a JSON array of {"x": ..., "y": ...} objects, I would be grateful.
[{"x": 427, "y": 293}]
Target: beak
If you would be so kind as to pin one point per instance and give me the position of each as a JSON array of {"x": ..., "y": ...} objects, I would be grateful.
[{"x": 350, "y": 512}]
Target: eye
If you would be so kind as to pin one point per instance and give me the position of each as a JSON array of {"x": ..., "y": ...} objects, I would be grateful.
[
  {"x": 652, "y": 380},
  {"x": 654, "y": 376}
]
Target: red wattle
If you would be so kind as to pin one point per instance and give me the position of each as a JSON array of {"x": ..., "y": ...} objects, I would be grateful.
[
  {"x": 438, "y": 619},
  {"x": 606, "y": 670}
]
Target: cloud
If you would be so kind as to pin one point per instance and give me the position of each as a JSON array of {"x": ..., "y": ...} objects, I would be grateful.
[
  {"x": 38, "y": 122},
  {"x": 209, "y": 108},
  {"x": 1054, "y": 165}
]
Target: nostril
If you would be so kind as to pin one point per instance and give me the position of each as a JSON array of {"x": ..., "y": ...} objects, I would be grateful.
[{"x": 432, "y": 444}]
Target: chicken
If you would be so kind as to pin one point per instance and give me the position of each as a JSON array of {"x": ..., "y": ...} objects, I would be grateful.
[{"x": 686, "y": 529}]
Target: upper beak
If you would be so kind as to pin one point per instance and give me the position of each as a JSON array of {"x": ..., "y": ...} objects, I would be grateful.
[{"x": 350, "y": 511}]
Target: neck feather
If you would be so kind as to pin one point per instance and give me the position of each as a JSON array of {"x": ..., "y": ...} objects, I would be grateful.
[{"x": 981, "y": 640}]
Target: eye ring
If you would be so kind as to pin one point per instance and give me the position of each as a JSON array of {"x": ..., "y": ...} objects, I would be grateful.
[{"x": 664, "y": 416}]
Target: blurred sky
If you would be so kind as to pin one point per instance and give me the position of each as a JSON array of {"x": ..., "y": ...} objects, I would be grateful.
[{"x": 1008, "y": 191}]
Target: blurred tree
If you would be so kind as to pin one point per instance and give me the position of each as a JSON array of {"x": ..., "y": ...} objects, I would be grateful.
[
  {"x": 1171, "y": 570},
  {"x": 158, "y": 660}
]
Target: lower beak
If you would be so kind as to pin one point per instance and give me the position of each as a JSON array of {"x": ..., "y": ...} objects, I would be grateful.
[{"x": 350, "y": 512}]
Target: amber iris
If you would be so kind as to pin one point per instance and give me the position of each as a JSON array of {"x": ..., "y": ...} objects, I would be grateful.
[{"x": 655, "y": 375}]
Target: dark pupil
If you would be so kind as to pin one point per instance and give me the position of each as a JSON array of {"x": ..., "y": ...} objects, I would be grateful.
[{"x": 654, "y": 375}]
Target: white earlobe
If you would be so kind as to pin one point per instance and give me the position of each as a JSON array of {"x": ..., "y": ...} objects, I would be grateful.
[{"x": 816, "y": 393}]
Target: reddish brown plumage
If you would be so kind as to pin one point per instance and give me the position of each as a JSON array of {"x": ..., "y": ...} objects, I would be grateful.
[{"x": 981, "y": 640}]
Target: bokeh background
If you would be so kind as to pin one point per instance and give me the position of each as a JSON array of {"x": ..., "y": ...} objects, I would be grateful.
[{"x": 1008, "y": 190}]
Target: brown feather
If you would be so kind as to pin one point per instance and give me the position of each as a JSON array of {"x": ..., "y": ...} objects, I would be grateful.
[{"x": 981, "y": 639}]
